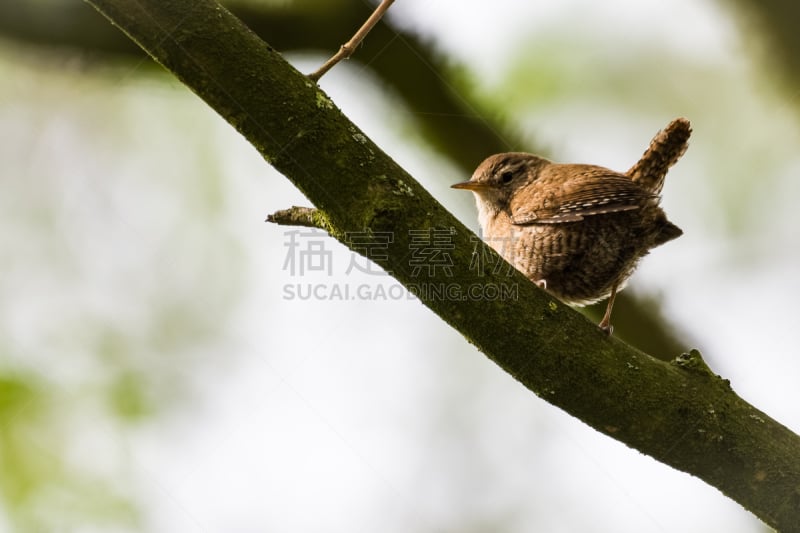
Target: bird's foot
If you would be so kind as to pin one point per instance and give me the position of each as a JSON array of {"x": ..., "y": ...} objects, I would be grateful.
[
  {"x": 605, "y": 324},
  {"x": 606, "y": 327}
]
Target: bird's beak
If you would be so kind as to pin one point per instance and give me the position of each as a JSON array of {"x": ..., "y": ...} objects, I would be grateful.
[{"x": 469, "y": 185}]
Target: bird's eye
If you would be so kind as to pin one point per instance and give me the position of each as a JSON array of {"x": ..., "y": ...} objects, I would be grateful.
[{"x": 507, "y": 176}]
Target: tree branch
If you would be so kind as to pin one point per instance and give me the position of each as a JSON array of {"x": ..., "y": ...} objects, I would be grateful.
[
  {"x": 297, "y": 216},
  {"x": 679, "y": 413},
  {"x": 347, "y": 49}
]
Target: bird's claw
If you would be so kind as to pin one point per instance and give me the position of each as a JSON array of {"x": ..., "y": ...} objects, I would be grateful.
[{"x": 606, "y": 327}]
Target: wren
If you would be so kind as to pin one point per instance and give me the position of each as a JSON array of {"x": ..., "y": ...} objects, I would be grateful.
[{"x": 577, "y": 231}]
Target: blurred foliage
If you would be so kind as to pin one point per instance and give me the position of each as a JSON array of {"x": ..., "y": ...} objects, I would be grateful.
[
  {"x": 770, "y": 28},
  {"x": 112, "y": 287},
  {"x": 44, "y": 486}
]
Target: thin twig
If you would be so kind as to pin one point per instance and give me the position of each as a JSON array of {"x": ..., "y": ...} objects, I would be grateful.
[
  {"x": 296, "y": 216},
  {"x": 347, "y": 49}
]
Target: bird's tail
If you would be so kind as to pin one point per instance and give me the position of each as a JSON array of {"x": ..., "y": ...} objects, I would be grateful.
[{"x": 664, "y": 151}]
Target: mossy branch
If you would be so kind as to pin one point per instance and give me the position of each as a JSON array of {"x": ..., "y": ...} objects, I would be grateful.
[
  {"x": 297, "y": 216},
  {"x": 681, "y": 414}
]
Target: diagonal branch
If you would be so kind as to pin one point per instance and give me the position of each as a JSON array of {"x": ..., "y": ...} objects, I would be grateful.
[
  {"x": 680, "y": 413},
  {"x": 347, "y": 49}
]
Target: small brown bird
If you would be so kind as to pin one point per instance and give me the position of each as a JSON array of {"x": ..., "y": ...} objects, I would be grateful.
[{"x": 577, "y": 231}]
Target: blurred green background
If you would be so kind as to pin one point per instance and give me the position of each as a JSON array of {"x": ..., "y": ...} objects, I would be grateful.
[{"x": 154, "y": 375}]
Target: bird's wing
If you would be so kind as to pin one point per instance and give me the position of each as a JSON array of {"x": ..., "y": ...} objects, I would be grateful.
[{"x": 593, "y": 191}]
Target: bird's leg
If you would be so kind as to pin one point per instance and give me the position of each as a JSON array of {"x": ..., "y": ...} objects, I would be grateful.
[{"x": 605, "y": 324}]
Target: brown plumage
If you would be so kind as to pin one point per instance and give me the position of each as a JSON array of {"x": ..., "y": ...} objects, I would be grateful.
[{"x": 578, "y": 231}]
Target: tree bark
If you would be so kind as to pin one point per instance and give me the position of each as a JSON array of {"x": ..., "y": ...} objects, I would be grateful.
[{"x": 678, "y": 412}]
